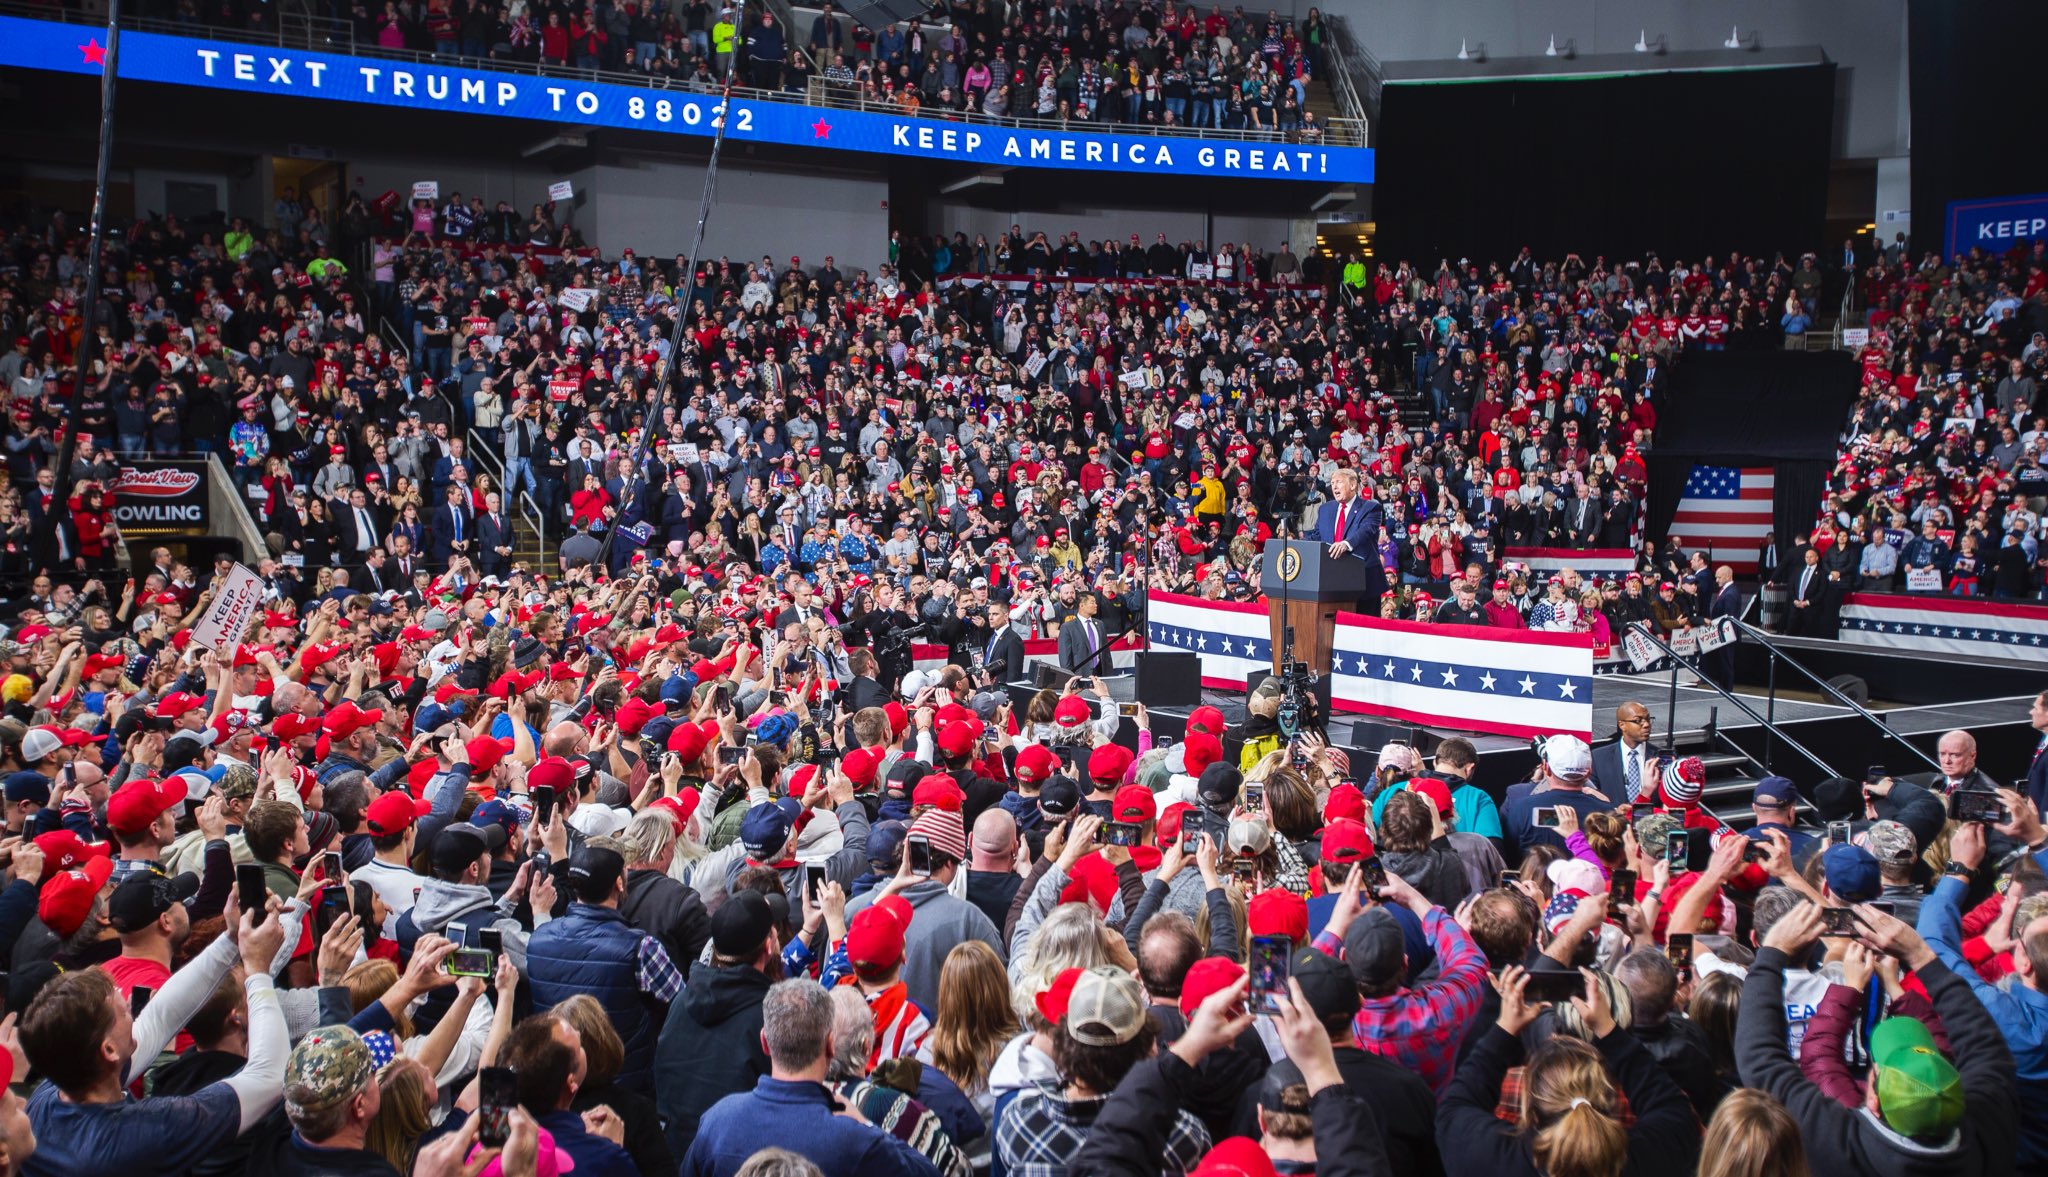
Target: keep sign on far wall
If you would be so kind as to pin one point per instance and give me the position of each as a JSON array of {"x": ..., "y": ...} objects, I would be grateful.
[
  {"x": 1995, "y": 224},
  {"x": 242, "y": 68}
]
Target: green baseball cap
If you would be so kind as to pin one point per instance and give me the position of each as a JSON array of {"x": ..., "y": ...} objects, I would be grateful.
[{"x": 1918, "y": 1091}]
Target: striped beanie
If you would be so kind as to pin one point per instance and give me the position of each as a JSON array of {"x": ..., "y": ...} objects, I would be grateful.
[{"x": 1684, "y": 780}]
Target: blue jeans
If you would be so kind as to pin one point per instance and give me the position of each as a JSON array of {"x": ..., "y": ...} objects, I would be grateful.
[
  {"x": 516, "y": 470},
  {"x": 1218, "y": 106},
  {"x": 1178, "y": 108}
]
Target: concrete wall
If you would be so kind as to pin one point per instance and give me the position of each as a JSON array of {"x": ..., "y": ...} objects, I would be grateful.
[
  {"x": 1867, "y": 39},
  {"x": 1099, "y": 224},
  {"x": 650, "y": 205}
]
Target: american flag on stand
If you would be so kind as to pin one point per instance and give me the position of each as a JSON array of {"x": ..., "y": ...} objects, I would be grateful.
[{"x": 1725, "y": 512}]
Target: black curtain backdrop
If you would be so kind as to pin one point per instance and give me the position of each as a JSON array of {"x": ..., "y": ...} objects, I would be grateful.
[
  {"x": 1975, "y": 68},
  {"x": 1681, "y": 164},
  {"x": 1784, "y": 409}
]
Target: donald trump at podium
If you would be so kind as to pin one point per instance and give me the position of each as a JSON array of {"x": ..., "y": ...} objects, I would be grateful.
[{"x": 1350, "y": 525}]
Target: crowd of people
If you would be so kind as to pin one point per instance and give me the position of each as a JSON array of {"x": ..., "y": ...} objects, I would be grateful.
[
  {"x": 1134, "y": 65},
  {"x": 599, "y": 875},
  {"x": 662, "y": 852},
  {"x": 1939, "y": 486}
]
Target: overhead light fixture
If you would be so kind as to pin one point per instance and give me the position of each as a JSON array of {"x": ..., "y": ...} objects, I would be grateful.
[
  {"x": 1736, "y": 41},
  {"x": 1645, "y": 45},
  {"x": 1552, "y": 51}
]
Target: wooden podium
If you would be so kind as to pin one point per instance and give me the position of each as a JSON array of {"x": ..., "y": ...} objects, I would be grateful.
[{"x": 1306, "y": 587}]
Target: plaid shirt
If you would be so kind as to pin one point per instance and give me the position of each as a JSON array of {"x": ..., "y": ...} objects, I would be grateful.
[
  {"x": 656, "y": 973},
  {"x": 1042, "y": 1130},
  {"x": 1421, "y": 1028}
]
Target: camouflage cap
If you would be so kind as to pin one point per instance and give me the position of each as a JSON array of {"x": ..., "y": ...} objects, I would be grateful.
[
  {"x": 1892, "y": 844},
  {"x": 238, "y": 783},
  {"x": 1653, "y": 829},
  {"x": 329, "y": 1065}
]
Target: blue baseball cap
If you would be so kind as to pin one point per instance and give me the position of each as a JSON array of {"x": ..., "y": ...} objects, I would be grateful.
[
  {"x": 885, "y": 842},
  {"x": 497, "y": 813},
  {"x": 1852, "y": 873},
  {"x": 764, "y": 831},
  {"x": 27, "y": 786},
  {"x": 1775, "y": 792},
  {"x": 677, "y": 689},
  {"x": 655, "y": 732},
  {"x": 431, "y": 716}
]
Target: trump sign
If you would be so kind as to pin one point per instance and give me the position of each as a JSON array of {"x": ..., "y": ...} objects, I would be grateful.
[{"x": 255, "y": 69}]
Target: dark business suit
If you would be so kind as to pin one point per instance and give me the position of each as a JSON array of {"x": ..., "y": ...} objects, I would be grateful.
[
  {"x": 1003, "y": 655},
  {"x": 1081, "y": 652},
  {"x": 1810, "y": 584},
  {"x": 449, "y": 522},
  {"x": 492, "y": 533},
  {"x": 1610, "y": 775},
  {"x": 1362, "y": 522},
  {"x": 1719, "y": 665}
]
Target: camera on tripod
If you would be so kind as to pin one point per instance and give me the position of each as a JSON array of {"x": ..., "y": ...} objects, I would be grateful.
[{"x": 1297, "y": 681}]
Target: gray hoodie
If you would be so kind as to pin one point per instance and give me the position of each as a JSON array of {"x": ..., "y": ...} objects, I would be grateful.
[
  {"x": 939, "y": 921},
  {"x": 441, "y": 901}
]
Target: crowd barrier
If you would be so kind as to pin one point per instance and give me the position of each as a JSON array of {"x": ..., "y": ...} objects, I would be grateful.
[
  {"x": 1463, "y": 678},
  {"x": 1945, "y": 625}
]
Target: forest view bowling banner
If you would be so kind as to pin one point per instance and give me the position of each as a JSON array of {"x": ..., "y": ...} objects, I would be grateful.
[{"x": 257, "y": 69}]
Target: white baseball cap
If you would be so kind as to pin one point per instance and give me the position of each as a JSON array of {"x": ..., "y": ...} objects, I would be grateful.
[
  {"x": 39, "y": 743},
  {"x": 1568, "y": 758}
]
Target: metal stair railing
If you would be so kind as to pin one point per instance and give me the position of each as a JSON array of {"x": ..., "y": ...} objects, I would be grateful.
[
  {"x": 1771, "y": 730},
  {"x": 1826, "y": 688}
]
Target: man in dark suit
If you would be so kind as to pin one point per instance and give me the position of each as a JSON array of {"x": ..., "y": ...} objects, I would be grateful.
[
  {"x": 1956, "y": 752},
  {"x": 865, "y": 689},
  {"x": 1083, "y": 645},
  {"x": 1350, "y": 524},
  {"x": 1618, "y": 521},
  {"x": 357, "y": 524},
  {"x": 1627, "y": 768},
  {"x": 453, "y": 531},
  {"x": 1770, "y": 561},
  {"x": 1809, "y": 598},
  {"x": 494, "y": 537},
  {"x": 1719, "y": 665},
  {"x": 1001, "y": 649},
  {"x": 2037, "y": 769},
  {"x": 1582, "y": 517},
  {"x": 380, "y": 575}
]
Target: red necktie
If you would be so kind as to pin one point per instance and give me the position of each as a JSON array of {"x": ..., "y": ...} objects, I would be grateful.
[{"x": 1343, "y": 509}]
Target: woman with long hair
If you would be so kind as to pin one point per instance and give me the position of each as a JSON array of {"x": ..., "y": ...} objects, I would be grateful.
[
  {"x": 1568, "y": 1123},
  {"x": 1716, "y": 1000},
  {"x": 406, "y": 1096},
  {"x": 973, "y": 1023},
  {"x": 1752, "y": 1135},
  {"x": 605, "y": 1054}
]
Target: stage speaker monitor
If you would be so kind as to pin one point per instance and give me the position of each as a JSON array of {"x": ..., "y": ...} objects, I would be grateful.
[
  {"x": 1169, "y": 678},
  {"x": 1852, "y": 686},
  {"x": 880, "y": 14},
  {"x": 1047, "y": 674}
]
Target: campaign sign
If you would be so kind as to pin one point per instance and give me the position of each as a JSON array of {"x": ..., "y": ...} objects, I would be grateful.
[
  {"x": 1995, "y": 224},
  {"x": 254, "y": 69},
  {"x": 161, "y": 496}
]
